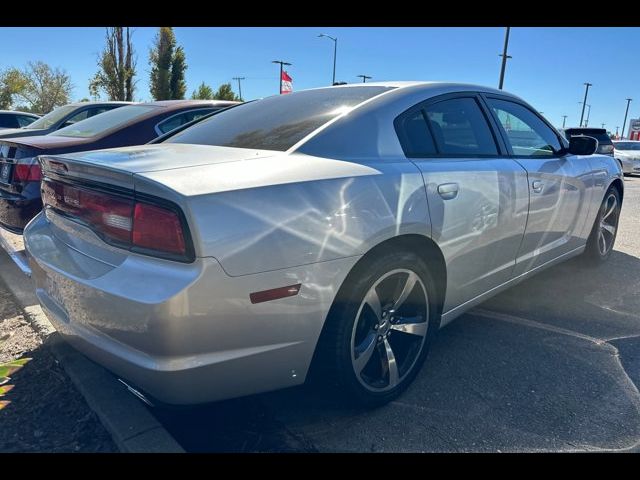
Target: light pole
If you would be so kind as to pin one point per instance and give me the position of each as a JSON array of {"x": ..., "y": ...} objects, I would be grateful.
[
  {"x": 335, "y": 52},
  {"x": 625, "y": 116},
  {"x": 239, "y": 86},
  {"x": 280, "y": 78},
  {"x": 603, "y": 125},
  {"x": 584, "y": 102},
  {"x": 364, "y": 78},
  {"x": 586, "y": 122},
  {"x": 504, "y": 57},
  {"x": 564, "y": 120}
]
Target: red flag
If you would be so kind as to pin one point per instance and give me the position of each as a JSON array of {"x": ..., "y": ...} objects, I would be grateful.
[{"x": 286, "y": 83}]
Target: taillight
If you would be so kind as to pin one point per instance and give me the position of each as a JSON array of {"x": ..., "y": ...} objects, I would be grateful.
[
  {"x": 25, "y": 172},
  {"x": 120, "y": 220},
  {"x": 157, "y": 228}
]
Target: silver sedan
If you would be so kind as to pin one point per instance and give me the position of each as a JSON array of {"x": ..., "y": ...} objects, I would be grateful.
[
  {"x": 627, "y": 152},
  {"x": 325, "y": 234}
]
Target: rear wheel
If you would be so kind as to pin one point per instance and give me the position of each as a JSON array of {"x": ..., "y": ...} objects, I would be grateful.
[
  {"x": 605, "y": 228},
  {"x": 379, "y": 329}
]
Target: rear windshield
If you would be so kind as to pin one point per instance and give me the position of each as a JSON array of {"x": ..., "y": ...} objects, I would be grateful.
[
  {"x": 52, "y": 117},
  {"x": 599, "y": 135},
  {"x": 94, "y": 126},
  {"x": 627, "y": 145},
  {"x": 278, "y": 122}
]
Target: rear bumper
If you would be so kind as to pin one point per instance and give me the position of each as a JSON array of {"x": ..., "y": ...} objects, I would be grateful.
[
  {"x": 183, "y": 333},
  {"x": 16, "y": 210}
]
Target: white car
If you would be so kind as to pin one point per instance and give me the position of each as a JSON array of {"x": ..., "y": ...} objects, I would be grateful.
[{"x": 627, "y": 152}]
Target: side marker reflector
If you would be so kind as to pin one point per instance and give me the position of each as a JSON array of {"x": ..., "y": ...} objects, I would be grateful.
[{"x": 274, "y": 293}]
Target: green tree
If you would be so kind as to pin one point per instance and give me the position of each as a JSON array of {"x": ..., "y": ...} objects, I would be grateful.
[
  {"x": 44, "y": 87},
  {"x": 168, "y": 65},
  {"x": 204, "y": 92},
  {"x": 225, "y": 93},
  {"x": 12, "y": 83},
  {"x": 117, "y": 66}
]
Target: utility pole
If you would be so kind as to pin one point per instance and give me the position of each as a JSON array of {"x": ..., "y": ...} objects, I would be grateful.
[
  {"x": 624, "y": 124},
  {"x": 335, "y": 53},
  {"x": 280, "y": 77},
  {"x": 239, "y": 86},
  {"x": 584, "y": 103},
  {"x": 586, "y": 122},
  {"x": 504, "y": 57},
  {"x": 564, "y": 120},
  {"x": 364, "y": 78}
]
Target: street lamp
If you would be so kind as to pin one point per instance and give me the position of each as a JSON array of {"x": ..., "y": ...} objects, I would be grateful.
[
  {"x": 584, "y": 102},
  {"x": 364, "y": 78},
  {"x": 625, "y": 116},
  {"x": 504, "y": 57},
  {"x": 603, "y": 125},
  {"x": 564, "y": 120},
  {"x": 280, "y": 79},
  {"x": 335, "y": 52}
]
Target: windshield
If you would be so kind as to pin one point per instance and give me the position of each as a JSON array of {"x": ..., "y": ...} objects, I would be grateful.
[
  {"x": 627, "y": 145},
  {"x": 278, "y": 122},
  {"x": 52, "y": 117},
  {"x": 94, "y": 126}
]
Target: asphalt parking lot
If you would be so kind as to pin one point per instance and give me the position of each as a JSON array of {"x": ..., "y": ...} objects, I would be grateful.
[{"x": 552, "y": 364}]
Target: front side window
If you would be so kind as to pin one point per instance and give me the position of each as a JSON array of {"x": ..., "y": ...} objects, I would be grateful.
[
  {"x": 278, "y": 122},
  {"x": 527, "y": 134},
  {"x": 24, "y": 120},
  {"x": 459, "y": 128}
]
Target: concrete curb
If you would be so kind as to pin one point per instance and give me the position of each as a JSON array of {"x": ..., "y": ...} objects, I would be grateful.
[{"x": 132, "y": 427}]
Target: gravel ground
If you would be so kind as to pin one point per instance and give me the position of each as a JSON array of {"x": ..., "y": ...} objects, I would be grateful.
[{"x": 46, "y": 413}]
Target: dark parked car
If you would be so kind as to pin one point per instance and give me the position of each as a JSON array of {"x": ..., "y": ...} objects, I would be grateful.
[
  {"x": 61, "y": 117},
  {"x": 14, "y": 119},
  {"x": 605, "y": 145},
  {"x": 130, "y": 125}
]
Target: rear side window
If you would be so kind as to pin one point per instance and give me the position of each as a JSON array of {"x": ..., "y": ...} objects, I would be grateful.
[
  {"x": 8, "y": 121},
  {"x": 415, "y": 136},
  {"x": 459, "y": 128},
  {"x": 182, "y": 118}
]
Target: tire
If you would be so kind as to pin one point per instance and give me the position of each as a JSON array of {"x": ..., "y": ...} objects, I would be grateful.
[
  {"x": 353, "y": 351},
  {"x": 605, "y": 228}
]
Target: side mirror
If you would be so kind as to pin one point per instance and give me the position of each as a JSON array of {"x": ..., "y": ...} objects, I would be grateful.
[{"x": 582, "y": 145}]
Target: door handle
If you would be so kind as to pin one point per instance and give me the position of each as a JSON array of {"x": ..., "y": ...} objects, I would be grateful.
[
  {"x": 448, "y": 191},
  {"x": 537, "y": 186}
]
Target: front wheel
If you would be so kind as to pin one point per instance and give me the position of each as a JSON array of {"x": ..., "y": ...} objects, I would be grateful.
[
  {"x": 378, "y": 331},
  {"x": 605, "y": 228}
]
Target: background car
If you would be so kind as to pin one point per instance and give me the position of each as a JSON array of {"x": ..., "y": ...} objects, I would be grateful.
[
  {"x": 15, "y": 119},
  {"x": 605, "y": 144},
  {"x": 129, "y": 125},
  {"x": 61, "y": 117},
  {"x": 627, "y": 152},
  {"x": 326, "y": 233}
]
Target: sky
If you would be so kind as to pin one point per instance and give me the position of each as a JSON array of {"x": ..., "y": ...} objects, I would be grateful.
[{"x": 548, "y": 68}]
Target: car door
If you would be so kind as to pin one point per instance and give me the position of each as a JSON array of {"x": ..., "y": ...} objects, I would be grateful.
[
  {"x": 558, "y": 183},
  {"x": 477, "y": 195}
]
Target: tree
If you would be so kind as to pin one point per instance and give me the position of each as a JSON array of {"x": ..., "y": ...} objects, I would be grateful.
[
  {"x": 168, "y": 64},
  {"x": 225, "y": 93},
  {"x": 44, "y": 87},
  {"x": 117, "y": 67},
  {"x": 204, "y": 92},
  {"x": 12, "y": 83}
]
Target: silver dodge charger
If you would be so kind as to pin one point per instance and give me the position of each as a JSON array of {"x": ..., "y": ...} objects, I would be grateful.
[{"x": 324, "y": 234}]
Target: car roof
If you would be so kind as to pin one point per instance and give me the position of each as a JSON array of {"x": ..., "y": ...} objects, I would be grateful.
[{"x": 175, "y": 104}]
